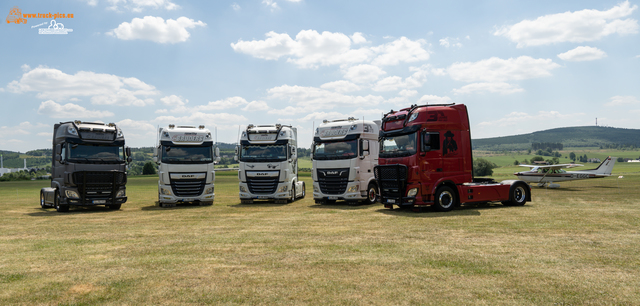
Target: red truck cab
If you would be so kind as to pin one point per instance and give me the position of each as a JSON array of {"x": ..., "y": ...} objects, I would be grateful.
[{"x": 426, "y": 160}]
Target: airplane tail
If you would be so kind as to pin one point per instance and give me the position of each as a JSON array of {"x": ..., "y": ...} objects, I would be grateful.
[{"x": 606, "y": 166}]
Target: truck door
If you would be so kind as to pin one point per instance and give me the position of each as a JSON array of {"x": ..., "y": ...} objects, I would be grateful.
[{"x": 430, "y": 161}]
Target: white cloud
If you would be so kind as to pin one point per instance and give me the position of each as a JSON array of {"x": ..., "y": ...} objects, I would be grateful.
[
  {"x": 69, "y": 111},
  {"x": 408, "y": 93},
  {"x": 231, "y": 102},
  {"x": 138, "y": 131},
  {"x": 499, "y": 70},
  {"x": 450, "y": 42},
  {"x": 433, "y": 99},
  {"x": 311, "y": 49},
  {"x": 582, "y": 53},
  {"x": 138, "y": 5},
  {"x": 156, "y": 29},
  {"x": 271, "y": 4},
  {"x": 340, "y": 86},
  {"x": 103, "y": 88},
  {"x": 198, "y": 118},
  {"x": 256, "y": 106},
  {"x": 235, "y": 7},
  {"x": 364, "y": 73},
  {"x": 495, "y": 87},
  {"x": 174, "y": 100},
  {"x": 308, "y": 99},
  {"x": 401, "y": 50},
  {"x": 520, "y": 118},
  {"x": 577, "y": 27},
  {"x": 622, "y": 101}
]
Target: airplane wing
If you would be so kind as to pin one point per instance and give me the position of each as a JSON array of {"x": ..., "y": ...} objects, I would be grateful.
[{"x": 554, "y": 167}]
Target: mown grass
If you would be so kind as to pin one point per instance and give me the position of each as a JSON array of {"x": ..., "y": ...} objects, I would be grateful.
[{"x": 573, "y": 245}]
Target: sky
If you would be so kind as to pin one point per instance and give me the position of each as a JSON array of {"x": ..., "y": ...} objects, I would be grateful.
[{"x": 519, "y": 66}]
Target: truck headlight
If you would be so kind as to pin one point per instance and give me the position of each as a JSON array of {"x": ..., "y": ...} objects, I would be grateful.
[
  {"x": 165, "y": 191},
  {"x": 121, "y": 194},
  {"x": 354, "y": 188},
  {"x": 316, "y": 189},
  {"x": 412, "y": 192},
  {"x": 283, "y": 188},
  {"x": 72, "y": 194},
  {"x": 242, "y": 189},
  {"x": 209, "y": 190}
]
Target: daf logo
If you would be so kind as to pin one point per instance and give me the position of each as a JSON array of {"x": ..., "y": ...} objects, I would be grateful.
[
  {"x": 262, "y": 174},
  {"x": 188, "y": 175},
  {"x": 332, "y": 172}
]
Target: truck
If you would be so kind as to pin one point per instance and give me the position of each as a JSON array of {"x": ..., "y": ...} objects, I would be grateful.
[
  {"x": 186, "y": 157},
  {"x": 88, "y": 166},
  {"x": 268, "y": 164},
  {"x": 426, "y": 160},
  {"x": 344, "y": 153}
]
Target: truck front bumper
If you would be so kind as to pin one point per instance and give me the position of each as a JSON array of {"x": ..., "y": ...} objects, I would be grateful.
[
  {"x": 283, "y": 192},
  {"x": 352, "y": 193},
  {"x": 166, "y": 196}
]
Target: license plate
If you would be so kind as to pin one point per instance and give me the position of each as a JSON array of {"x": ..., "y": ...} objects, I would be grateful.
[
  {"x": 263, "y": 197},
  {"x": 391, "y": 201},
  {"x": 332, "y": 198},
  {"x": 99, "y": 201}
]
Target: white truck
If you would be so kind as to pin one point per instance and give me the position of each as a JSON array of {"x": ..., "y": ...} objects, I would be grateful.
[
  {"x": 344, "y": 153},
  {"x": 185, "y": 156},
  {"x": 268, "y": 167}
]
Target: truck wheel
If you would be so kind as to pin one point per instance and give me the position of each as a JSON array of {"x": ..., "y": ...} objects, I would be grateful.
[
  {"x": 114, "y": 206},
  {"x": 42, "y": 204},
  {"x": 372, "y": 193},
  {"x": 517, "y": 195},
  {"x": 293, "y": 193},
  {"x": 304, "y": 191},
  {"x": 445, "y": 199},
  {"x": 56, "y": 203}
]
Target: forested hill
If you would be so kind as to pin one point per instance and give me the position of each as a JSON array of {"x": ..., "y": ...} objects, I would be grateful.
[{"x": 579, "y": 136}]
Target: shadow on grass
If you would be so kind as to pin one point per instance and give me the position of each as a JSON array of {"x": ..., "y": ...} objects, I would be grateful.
[
  {"x": 260, "y": 204},
  {"x": 343, "y": 205},
  {"x": 473, "y": 209},
  {"x": 73, "y": 210},
  {"x": 177, "y": 206}
]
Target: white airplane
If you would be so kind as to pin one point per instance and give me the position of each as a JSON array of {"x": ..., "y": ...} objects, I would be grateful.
[{"x": 556, "y": 173}]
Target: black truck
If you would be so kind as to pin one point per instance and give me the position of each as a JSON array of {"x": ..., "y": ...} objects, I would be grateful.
[{"x": 88, "y": 166}]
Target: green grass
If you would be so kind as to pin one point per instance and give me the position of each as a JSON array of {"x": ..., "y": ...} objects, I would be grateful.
[{"x": 571, "y": 246}]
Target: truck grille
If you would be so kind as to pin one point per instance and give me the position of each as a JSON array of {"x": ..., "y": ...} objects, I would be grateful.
[
  {"x": 98, "y": 184},
  {"x": 333, "y": 181},
  {"x": 392, "y": 180},
  {"x": 262, "y": 184},
  {"x": 188, "y": 187}
]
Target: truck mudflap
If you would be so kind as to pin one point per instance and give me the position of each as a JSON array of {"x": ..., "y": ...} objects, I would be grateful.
[{"x": 392, "y": 181}]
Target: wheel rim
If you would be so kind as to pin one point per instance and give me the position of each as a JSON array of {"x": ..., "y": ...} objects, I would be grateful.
[
  {"x": 372, "y": 194},
  {"x": 445, "y": 199},
  {"x": 41, "y": 200},
  {"x": 519, "y": 194}
]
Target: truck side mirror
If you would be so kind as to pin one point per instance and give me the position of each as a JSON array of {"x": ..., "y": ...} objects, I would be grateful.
[
  {"x": 128, "y": 151},
  {"x": 217, "y": 152},
  {"x": 58, "y": 149},
  {"x": 155, "y": 159},
  {"x": 235, "y": 157},
  {"x": 58, "y": 158},
  {"x": 57, "y": 154}
]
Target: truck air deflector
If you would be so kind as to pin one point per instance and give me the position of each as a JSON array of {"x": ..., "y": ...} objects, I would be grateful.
[{"x": 403, "y": 131}]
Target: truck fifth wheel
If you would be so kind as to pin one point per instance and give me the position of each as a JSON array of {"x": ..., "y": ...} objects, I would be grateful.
[
  {"x": 426, "y": 160},
  {"x": 87, "y": 166},
  {"x": 344, "y": 154},
  {"x": 268, "y": 167}
]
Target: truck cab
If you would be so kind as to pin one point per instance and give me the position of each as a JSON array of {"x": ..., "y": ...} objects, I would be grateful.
[
  {"x": 344, "y": 153},
  {"x": 88, "y": 166},
  {"x": 186, "y": 157},
  {"x": 268, "y": 164},
  {"x": 426, "y": 160}
]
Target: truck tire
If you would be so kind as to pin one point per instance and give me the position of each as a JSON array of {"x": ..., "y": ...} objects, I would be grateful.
[
  {"x": 517, "y": 195},
  {"x": 372, "y": 193},
  {"x": 445, "y": 199},
  {"x": 114, "y": 206},
  {"x": 293, "y": 193},
  {"x": 57, "y": 205},
  {"x": 304, "y": 191},
  {"x": 42, "y": 203}
]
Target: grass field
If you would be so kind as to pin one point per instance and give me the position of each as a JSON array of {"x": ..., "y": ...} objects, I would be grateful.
[{"x": 571, "y": 246}]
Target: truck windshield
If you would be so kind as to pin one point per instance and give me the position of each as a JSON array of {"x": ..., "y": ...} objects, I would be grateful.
[
  {"x": 398, "y": 146},
  {"x": 263, "y": 153},
  {"x": 95, "y": 153},
  {"x": 186, "y": 155},
  {"x": 335, "y": 150}
]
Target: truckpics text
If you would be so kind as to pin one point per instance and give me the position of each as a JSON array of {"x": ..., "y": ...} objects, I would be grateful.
[
  {"x": 269, "y": 164},
  {"x": 426, "y": 160},
  {"x": 344, "y": 154},
  {"x": 87, "y": 166},
  {"x": 185, "y": 156}
]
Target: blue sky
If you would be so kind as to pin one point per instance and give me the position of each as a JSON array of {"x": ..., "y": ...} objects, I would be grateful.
[{"x": 520, "y": 66}]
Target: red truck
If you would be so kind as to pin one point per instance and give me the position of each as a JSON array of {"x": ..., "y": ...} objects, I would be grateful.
[{"x": 426, "y": 160}]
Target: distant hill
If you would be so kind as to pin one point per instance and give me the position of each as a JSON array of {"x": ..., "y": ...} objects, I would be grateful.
[{"x": 579, "y": 136}]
